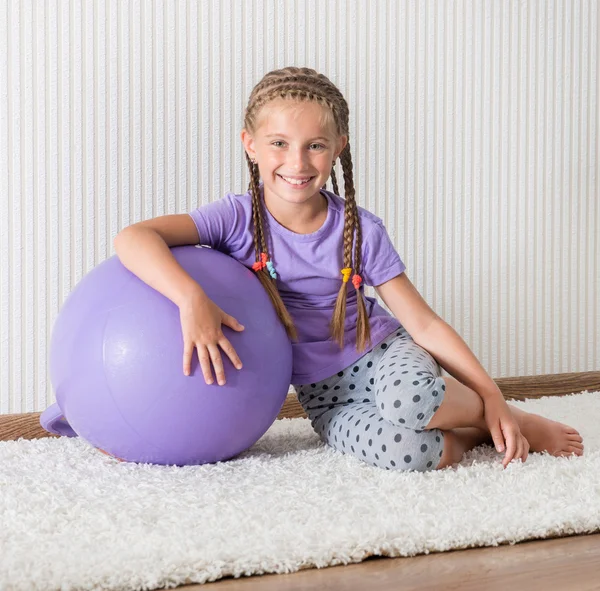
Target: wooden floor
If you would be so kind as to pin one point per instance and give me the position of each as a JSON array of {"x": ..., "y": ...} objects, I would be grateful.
[{"x": 561, "y": 564}]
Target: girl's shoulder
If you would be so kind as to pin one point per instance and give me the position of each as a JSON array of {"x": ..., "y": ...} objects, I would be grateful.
[
  {"x": 368, "y": 220},
  {"x": 240, "y": 200}
]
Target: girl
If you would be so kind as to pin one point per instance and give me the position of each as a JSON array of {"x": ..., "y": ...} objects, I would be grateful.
[{"x": 369, "y": 381}]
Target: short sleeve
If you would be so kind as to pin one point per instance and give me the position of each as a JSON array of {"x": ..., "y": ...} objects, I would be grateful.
[
  {"x": 219, "y": 223},
  {"x": 380, "y": 262}
]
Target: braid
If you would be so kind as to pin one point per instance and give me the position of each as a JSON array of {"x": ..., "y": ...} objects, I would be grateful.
[
  {"x": 306, "y": 85},
  {"x": 333, "y": 181},
  {"x": 260, "y": 246},
  {"x": 352, "y": 230},
  {"x": 257, "y": 212},
  {"x": 257, "y": 226}
]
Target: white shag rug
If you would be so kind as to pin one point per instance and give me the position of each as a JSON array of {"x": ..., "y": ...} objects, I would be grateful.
[{"x": 74, "y": 518}]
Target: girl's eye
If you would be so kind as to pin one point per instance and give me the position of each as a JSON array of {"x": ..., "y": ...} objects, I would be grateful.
[{"x": 321, "y": 146}]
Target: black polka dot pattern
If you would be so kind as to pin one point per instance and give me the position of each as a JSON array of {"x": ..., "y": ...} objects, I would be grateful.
[{"x": 377, "y": 409}]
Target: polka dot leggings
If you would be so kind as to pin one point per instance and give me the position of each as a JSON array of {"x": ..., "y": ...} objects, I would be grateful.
[{"x": 377, "y": 408}]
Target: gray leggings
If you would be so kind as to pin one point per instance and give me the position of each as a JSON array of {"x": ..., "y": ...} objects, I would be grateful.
[{"x": 377, "y": 408}]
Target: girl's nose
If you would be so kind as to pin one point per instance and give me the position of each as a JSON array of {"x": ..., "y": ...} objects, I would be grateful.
[{"x": 297, "y": 159}]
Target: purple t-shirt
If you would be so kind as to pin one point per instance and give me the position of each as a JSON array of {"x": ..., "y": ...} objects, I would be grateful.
[{"x": 308, "y": 276}]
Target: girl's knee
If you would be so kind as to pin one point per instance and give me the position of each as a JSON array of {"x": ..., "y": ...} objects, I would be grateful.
[{"x": 413, "y": 406}]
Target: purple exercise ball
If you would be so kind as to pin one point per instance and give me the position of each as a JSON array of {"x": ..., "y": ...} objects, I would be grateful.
[{"x": 116, "y": 366}]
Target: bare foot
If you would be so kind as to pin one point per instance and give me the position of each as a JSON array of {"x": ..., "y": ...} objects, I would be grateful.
[{"x": 544, "y": 434}]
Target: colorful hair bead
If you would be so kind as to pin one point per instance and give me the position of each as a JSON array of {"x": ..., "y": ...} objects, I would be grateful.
[
  {"x": 271, "y": 269},
  {"x": 346, "y": 273},
  {"x": 356, "y": 281},
  {"x": 265, "y": 263},
  {"x": 260, "y": 264}
]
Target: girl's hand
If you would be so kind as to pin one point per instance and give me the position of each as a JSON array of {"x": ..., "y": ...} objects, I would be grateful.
[
  {"x": 505, "y": 430},
  {"x": 201, "y": 321}
]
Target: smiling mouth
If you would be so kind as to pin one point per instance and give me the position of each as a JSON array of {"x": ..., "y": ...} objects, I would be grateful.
[{"x": 296, "y": 184}]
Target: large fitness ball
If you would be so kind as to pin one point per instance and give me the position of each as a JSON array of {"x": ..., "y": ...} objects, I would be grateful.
[{"x": 116, "y": 366}]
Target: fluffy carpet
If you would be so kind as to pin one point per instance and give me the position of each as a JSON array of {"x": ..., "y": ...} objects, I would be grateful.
[{"x": 74, "y": 518}]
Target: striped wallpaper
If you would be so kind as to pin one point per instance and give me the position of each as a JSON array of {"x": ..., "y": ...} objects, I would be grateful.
[{"x": 474, "y": 135}]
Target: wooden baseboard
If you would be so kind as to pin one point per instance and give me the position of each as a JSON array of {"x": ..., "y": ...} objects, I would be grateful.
[
  {"x": 518, "y": 388},
  {"x": 28, "y": 426}
]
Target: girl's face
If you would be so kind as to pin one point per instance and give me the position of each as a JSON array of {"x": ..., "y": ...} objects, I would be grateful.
[{"x": 290, "y": 146}]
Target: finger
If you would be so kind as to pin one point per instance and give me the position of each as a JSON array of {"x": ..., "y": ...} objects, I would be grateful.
[
  {"x": 515, "y": 455},
  {"x": 232, "y": 322},
  {"x": 204, "y": 359},
  {"x": 497, "y": 437},
  {"x": 519, "y": 452},
  {"x": 188, "y": 350},
  {"x": 513, "y": 443},
  {"x": 217, "y": 362},
  {"x": 511, "y": 447},
  {"x": 231, "y": 353}
]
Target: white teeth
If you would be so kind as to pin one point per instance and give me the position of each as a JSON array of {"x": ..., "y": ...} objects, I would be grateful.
[{"x": 296, "y": 182}]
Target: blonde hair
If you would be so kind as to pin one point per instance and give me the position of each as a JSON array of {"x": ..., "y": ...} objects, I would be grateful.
[{"x": 306, "y": 85}]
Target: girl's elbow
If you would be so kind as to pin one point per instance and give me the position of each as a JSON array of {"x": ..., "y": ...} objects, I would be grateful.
[
  {"x": 122, "y": 236},
  {"x": 119, "y": 238}
]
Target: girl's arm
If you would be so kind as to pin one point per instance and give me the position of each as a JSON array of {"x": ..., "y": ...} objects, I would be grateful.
[
  {"x": 143, "y": 248},
  {"x": 407, "y": 304},
  {"x": 436, "y": 336}
]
